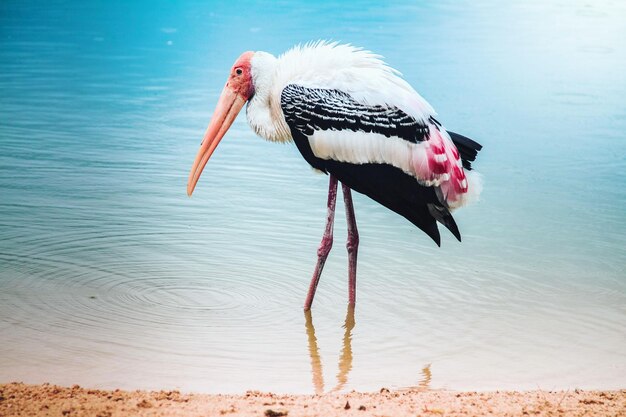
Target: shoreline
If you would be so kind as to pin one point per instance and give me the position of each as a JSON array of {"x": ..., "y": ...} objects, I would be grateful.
[{"x": 18, "y": 399}]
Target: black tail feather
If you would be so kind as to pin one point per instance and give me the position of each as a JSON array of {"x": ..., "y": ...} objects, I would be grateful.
[
  {"x": 468, "y": 149},
  {"x": 420, "y": 216},
  {"x": 443, "y": 216}
]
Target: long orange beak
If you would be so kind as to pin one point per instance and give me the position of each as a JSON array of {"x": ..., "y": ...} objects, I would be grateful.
[{"x": 227, "y": 109}]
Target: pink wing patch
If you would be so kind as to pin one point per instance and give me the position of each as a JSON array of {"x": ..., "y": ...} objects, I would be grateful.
[{"x": 437, "y": 163}]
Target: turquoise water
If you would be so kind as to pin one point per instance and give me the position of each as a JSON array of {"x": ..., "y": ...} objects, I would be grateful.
[{"x": 111, "y": 277}]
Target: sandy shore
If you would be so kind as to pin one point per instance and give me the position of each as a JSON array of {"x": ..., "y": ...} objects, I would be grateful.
[{"x": 18, "y": 399}]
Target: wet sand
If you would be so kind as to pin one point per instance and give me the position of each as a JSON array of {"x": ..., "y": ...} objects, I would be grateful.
[{"x": 18, "y": 399}]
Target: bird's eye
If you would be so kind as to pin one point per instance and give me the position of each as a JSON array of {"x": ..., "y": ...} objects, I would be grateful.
[{"x": 238, "y": 71}]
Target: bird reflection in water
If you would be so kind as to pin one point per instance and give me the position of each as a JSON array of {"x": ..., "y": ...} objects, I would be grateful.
[
  {"x": 345, "y": 360},
  {"x": 314, "y": 353},
  {"x": 427, "y": 377}
]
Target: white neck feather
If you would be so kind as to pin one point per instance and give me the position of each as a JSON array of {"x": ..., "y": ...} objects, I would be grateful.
[{"x": 263, "y": 112}]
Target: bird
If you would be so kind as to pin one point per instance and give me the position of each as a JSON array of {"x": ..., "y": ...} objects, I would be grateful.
[{"x": 356, "y": 119}]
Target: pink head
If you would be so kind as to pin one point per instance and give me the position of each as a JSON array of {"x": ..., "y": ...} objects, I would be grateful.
[
  {"x": 237, "y": 91},
  {"x": 240, "y": 79}
]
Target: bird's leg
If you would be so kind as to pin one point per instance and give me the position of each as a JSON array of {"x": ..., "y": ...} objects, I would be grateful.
[
  {"x": 327, "y": 242},
  {"x": 352, "y": 244}
]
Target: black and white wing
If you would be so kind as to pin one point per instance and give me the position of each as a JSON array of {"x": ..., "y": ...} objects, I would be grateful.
[{"x": 408, "y": 165}]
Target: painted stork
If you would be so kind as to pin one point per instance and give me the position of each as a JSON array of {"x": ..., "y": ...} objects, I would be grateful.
[{"x": 353, "y": 117}]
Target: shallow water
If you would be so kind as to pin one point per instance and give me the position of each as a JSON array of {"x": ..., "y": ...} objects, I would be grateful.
[{"x": 111, "y": 277}]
